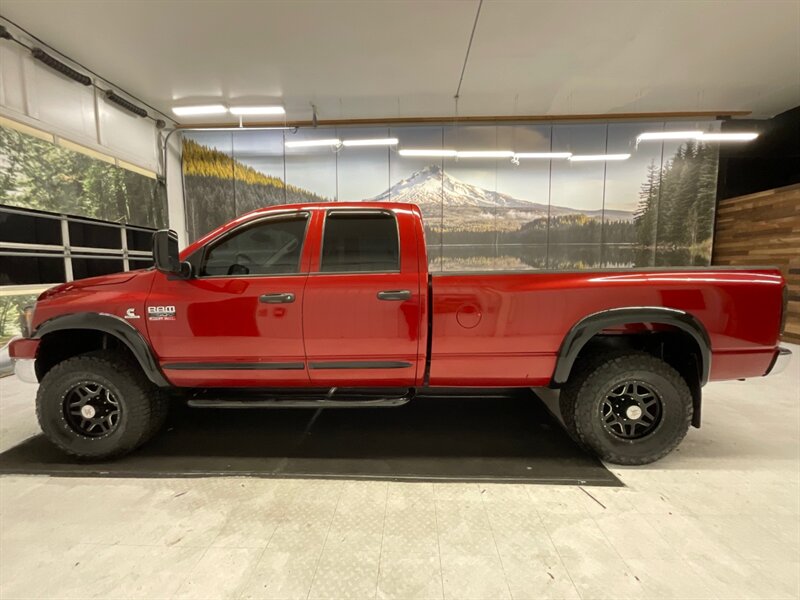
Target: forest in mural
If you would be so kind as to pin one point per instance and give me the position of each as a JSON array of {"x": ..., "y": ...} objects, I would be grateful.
[
  {"x": 38, "y": 174},
  {"x": 222, "y": 188},
  {"x": 482, "y": 215}
]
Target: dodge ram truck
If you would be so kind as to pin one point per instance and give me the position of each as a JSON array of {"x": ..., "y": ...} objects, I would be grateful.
[{"x": 332, "y": 305}]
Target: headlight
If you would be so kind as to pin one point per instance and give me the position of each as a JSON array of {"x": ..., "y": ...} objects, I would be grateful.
[{"x": 26, "y": 321}]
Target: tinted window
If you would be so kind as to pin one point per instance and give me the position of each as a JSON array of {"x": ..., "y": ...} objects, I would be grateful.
[
  {"x": 92, "y": 267},
  {"x": 268, "y": 247},
  {"x": 29, "y": 229},
  {"x": 360, "y": 242},
  {"x": 139, "y": 240},
  {"x": 90, "y": 235},
  {"x": 21, "y": 270}
]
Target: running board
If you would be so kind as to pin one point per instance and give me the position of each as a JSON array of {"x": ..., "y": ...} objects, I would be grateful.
[{"x": 298, "y": 403}]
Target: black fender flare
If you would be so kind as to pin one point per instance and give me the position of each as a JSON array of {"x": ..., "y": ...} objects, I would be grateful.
[
  {"x": 589, "y": 326},
  {"x": 112, "y": 325}
]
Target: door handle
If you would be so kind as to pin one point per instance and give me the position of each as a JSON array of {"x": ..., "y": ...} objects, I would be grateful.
[
  {"x": 283, "y": 298},
  {"x": 394, "y": 295}
]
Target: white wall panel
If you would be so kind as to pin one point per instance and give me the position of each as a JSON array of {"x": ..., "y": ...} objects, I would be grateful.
[
  {"x": 53, "y": 98},
  {"x": 121, "y": 131},
  {"x": 12, "y": 91},
  {"x": 34, "y": 94}
]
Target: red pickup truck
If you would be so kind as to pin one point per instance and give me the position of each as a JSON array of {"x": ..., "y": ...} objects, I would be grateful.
[{"x": 332, "y": 305}]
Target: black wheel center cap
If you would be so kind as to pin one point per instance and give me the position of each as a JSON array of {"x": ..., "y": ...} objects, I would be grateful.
[{"x": 630, "y": 410}]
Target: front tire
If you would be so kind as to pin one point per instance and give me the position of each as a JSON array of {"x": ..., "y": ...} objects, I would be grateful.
[
  {"x": 98, "y": 406},
  {"x": 629, "y": 409}
]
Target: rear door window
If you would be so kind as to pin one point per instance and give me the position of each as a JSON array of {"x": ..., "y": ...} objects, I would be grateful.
[{"x": 360, "y": 242}]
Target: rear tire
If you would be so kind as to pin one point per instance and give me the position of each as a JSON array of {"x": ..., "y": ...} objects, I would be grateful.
[
  {"x": 629, "y": 409},
  {"x": 98, "y": 405}
]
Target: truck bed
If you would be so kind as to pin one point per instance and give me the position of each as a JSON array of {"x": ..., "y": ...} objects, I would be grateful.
[{"x": 506, "y": 328}]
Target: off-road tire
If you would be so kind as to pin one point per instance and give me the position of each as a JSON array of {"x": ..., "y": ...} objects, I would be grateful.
[
  {"x": 160, "y": 403},
  {"x": 569, "y": 391},
  {"x": 582, "y": 396},
  {"x": 141, "y": 409}
]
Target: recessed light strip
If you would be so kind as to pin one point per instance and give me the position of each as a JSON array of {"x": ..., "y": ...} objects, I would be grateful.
[
  {"x": 484, "y": 154},
  {"x": 598, "y": 157},
  {"x": 205, "y": 109},
  {"x": 728, "y": 137},
  {"x": 372, "y": 142},
  {"x": 668, "y": 135},
  {"x": 542, "y": 154}
]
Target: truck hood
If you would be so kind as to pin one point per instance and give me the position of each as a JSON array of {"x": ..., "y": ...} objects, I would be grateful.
[{"x": 90, "y": 282}]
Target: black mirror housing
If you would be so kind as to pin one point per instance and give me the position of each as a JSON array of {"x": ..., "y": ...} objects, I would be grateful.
[{"x": 166, "y": 255}]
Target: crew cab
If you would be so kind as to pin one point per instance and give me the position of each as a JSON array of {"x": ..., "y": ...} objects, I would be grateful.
[{"x": 332, "y": 305}]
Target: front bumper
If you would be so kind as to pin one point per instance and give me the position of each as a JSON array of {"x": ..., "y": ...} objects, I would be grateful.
[
  {"x": 780, "y": 362},
  {"x": 23, "y": 353},
  {"x": 24, "y": 369}
]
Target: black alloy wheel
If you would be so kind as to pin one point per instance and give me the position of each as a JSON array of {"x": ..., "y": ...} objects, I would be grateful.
[
  {"x": 99, "y": 405},
  {"x": 91, "y": 409},
  {"x": 628, "y": 407},
  {"x": 631, "y": 410}
]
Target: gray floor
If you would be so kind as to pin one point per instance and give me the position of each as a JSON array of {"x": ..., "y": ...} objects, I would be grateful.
[{"x": 719, "y": 518}]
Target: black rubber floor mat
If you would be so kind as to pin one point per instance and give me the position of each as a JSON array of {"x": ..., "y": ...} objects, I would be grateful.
[{"x": 452, "y": 439}]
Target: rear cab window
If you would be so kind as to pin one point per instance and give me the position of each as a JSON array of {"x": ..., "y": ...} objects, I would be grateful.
[{"x": 360, "y": 241}]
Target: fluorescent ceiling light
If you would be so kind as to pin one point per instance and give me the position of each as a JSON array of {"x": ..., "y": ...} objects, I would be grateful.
[
  {"x": 425, "y": 152},
  {"x": 603, "y": 157},
  {"x": 373, "y": 142},
  {"x": 543, "y": 155},
  {"x": 728, "y": 137},
  {"x": 668, "y": 135},
  {"x": 311, "y": 143},
  {"x": 484, "y": 154},
  {"x": 205, "y": 109},
  {"x": 257, "y": 110}
]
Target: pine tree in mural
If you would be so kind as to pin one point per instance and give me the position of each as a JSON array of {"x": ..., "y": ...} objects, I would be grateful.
[
  {"x": 645, "y": 216},
  {"x": 676, "y": 205},
  {"x": 221, "y": 188}
]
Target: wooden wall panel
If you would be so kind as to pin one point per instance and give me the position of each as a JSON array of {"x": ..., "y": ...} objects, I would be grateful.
[{"x": 764, "y": 229}]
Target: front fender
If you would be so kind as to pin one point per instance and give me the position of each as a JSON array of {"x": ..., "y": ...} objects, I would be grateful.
[{"x": 112, "y": 325}]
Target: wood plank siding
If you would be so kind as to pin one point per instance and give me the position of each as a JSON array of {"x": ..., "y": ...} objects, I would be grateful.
[{"x": 764, "y": 229}]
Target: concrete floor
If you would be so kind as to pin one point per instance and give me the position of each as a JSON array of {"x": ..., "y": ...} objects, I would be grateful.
[{"x": 719, "y": 518}]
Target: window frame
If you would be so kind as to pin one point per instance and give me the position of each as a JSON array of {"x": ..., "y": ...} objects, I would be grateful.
[
  {"x": 201, "y": 263},
  {"x": 358, "y": 211}
]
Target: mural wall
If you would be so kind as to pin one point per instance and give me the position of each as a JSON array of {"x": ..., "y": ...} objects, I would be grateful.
[
  {"x": 38, "y": 174},
  {"x": 655, "y": 208},
  {"x": 42, "y": 175}
]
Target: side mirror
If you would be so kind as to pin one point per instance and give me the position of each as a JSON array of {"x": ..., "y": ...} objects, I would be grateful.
[{"x": 165, "y": 254}]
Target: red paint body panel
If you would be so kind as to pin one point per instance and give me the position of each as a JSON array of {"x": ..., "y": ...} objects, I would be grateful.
[
  {"x": 109, "y": 294},
  {"x": 524, "y": 318},
  {"x": 488, "y": 330}
]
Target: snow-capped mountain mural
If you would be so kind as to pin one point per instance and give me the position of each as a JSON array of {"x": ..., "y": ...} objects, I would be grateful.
[
  {"x": 432, "y": 186},
  {"x": 659, "y": 204}
]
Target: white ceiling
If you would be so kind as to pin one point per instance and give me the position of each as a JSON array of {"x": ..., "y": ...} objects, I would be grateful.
[{"x": 376, "y": 59}]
